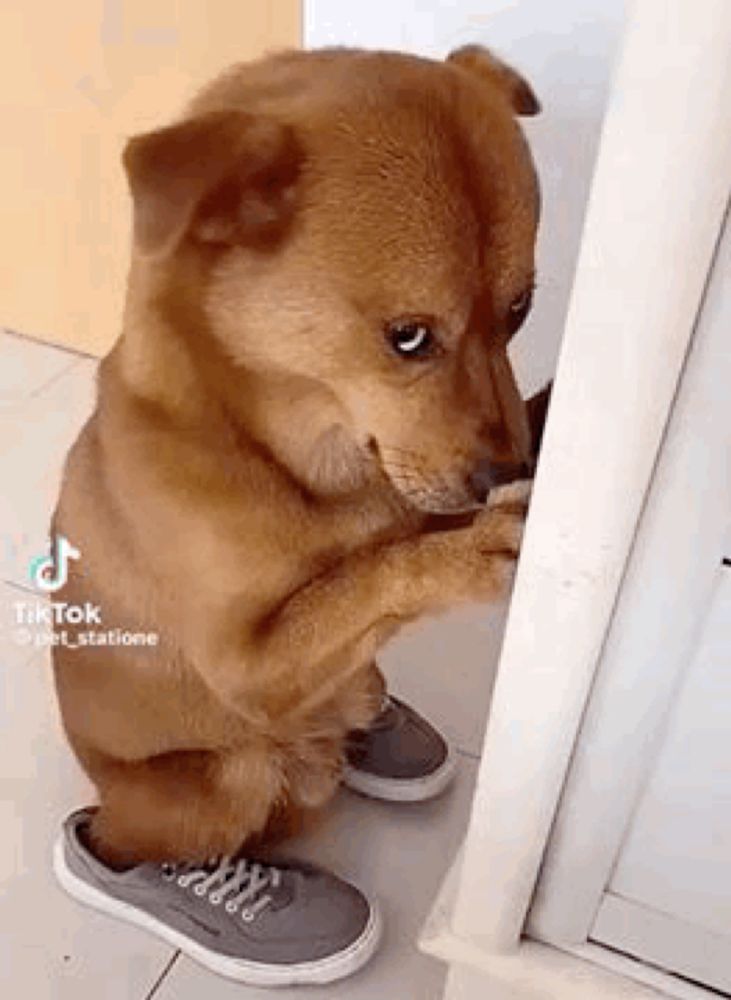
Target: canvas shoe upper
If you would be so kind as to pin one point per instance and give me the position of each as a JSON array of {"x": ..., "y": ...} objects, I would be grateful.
[
  {"x": 264, "y": 925},
  {"x": 401, "y": 757}
]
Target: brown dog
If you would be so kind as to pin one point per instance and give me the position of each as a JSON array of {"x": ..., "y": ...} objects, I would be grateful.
[{"x": 332, "y": 251}]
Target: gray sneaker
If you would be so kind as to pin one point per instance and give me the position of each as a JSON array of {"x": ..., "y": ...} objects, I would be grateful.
[
  {"x": 260, "y": 924},
  {"x": 400, "y": 758}
]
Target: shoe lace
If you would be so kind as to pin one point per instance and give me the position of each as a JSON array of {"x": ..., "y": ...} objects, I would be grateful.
[
  {"x": 242, "y": 881},
  {"x": 384, "y": 719}
]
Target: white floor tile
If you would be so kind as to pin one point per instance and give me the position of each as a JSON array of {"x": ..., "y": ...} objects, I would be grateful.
[
  {"x": 446, "y": 668},
  {"x": 26, "y": 366},
  {"x": 467, "y": 983},
  {"x": 35, "y": 435},
  {"x": 51, "y": 948},
  {"x": 399, "y": 853}
]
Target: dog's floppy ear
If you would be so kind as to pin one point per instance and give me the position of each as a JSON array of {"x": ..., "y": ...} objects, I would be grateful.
[
  {"x": 223, "y": 177},
  {"x": 482, "y": 63}
]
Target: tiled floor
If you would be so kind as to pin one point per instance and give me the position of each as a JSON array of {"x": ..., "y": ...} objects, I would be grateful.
[{"x": 52, "y": 948}]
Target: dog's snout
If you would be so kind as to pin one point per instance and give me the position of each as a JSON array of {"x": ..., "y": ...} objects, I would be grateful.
[{"x": 487, "y": 475}]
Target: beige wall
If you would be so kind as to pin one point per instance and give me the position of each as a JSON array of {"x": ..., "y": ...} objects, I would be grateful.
[{"x": 78, "y": 79}]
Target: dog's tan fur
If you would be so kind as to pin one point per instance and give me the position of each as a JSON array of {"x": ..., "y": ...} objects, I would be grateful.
[{"x": 262, "y": 478}]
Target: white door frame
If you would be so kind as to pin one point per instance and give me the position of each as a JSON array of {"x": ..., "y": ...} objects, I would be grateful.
[
  {"x": 653, "y": 220},
  {"x": 664, "y": 600}
]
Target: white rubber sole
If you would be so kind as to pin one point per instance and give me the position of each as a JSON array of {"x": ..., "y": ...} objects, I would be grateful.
[
  {"x": 403, "y": 789},
  {"x": 325, "y": 970}
]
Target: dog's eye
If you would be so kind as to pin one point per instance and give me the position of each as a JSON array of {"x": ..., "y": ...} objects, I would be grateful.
[
  {"x": 519, "y": 309},
  {"x": 412, "y": 338}
]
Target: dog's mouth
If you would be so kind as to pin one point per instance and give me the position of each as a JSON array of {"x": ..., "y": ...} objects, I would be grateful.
[
  {"x": 431, "y": 498},
  {"x": 419, "y": 487}
]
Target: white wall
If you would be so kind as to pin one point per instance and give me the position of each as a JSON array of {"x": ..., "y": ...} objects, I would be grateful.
[{"x": 566, "y": 48}]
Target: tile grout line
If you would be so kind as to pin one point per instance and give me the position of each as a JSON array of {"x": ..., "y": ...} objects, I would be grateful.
[
  {"x": 49, "y": 344},
  {"x": 54, "y": 378},
  {"x": 163, "y": 975},
  {"x": 21, "y": 587}
]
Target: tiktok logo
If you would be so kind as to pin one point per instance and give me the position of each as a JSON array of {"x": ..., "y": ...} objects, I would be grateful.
[{"x": 49, "y": 573}]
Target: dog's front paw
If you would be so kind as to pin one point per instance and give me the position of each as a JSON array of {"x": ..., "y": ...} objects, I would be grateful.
[
  {"x": 513, "y": 497},
  {"x": 493, "y": 541}
]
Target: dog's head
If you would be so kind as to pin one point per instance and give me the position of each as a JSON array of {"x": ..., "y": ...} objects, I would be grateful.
[{"x": 359, "y": 228}]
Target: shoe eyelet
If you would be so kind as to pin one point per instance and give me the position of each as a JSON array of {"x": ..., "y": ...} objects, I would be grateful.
[
  {"x": 215, "y": 899},
  {"x": 168, "y": 872},
  {"x": 200, "y": 889},
  {"x": 231, "y": 907},
  {"x": 247, "y": 916}
]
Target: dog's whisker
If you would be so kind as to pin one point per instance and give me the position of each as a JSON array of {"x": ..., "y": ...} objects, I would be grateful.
[{"x": 400, "y": 451}]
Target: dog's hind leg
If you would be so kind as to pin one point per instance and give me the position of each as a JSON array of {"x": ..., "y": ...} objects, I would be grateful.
[{"x": 187, "y": 805}]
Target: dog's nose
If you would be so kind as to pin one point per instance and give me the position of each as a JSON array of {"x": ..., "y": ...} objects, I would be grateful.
[{"x": 487, "y": 475}]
